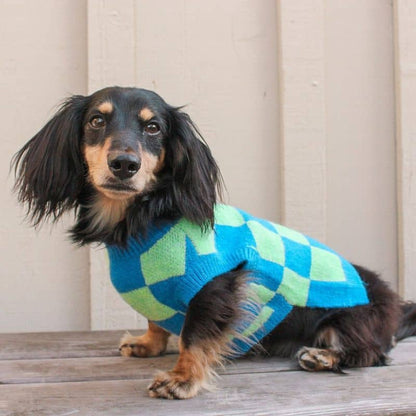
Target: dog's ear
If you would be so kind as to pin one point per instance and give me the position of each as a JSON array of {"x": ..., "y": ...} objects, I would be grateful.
[
  {"x": 196, "y": 177},
  {"x": 49, "y": 168}
]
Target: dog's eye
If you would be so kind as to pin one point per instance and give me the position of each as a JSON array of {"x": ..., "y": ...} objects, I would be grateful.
[
  {"x": 152, "y": 128},
  {"x": 97, "y": 122}
]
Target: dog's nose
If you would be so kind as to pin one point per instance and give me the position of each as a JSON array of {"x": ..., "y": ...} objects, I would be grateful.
[{"x": 124, "y": 166}]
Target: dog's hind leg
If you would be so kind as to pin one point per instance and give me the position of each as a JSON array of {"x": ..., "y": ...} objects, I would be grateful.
[
  {"x": 360, "y": 336},
  {"x": 205, "y": 339},
  {"x": 318, "y": 359},
  {"x": 334, "y": 349}
]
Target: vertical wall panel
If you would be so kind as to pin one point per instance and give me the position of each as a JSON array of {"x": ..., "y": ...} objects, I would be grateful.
[
  {"x": 111, "y": 43},
  {"x": 44, "y": 279},
  {"x": 405, "y": 32},
  {"x": 361, "y": 179},
  {"x": 303, "y": 115}
]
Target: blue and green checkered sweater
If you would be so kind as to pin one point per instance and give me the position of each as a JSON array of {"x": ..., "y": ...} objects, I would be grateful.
[{"x": 159, "y": 275}]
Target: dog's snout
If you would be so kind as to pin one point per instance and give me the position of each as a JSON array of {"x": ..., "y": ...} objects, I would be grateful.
[{"x": 124, "y": 166}]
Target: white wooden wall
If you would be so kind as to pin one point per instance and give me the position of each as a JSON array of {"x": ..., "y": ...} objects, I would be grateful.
[
  {"x": 405, "y": 65},
  {"x": 43, "y": 279},
  {"x": 308, "y": 106}
]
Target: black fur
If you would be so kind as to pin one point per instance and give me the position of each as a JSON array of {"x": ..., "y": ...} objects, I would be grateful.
[
  {"x": 407, "y": 325},
  {"x": 216, "y": 309},
  {"x": 53, "y": 176},
  {"x": 50, "y": 166}
]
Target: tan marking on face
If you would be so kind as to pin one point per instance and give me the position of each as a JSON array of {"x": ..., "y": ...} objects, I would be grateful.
[
  {"x": 146, "y": 174},
  {"x": 146, "y": 114},
  {"x": 161, "y": 161},
  {"x": 96, "y": 158},
  {"x": 106, "y": 107}
]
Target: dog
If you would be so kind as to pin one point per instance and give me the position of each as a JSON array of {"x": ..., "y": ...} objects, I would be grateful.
[{"x": 132, "y": 167}]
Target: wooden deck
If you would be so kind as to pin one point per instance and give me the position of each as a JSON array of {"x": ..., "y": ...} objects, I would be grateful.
[{"x": 64, "y": 374}]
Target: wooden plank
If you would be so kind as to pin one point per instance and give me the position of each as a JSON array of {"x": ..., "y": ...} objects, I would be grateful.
[
  {"x": 405, "y": 70},
  {"x": 81, "y": 369},
  {"x": 410, "y": 339},
  {"x": 66, "y": 344},
  {"x": 59, "y": 344},
  {"x": 73, "y": 344},
  {"x": 404, "y": 353},
  {"x": 382, "y": 390},
  {"x": 119, "y": 368}
]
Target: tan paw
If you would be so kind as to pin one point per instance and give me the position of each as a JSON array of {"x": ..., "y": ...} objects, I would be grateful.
[
  {"x": 172, "y": 385},
  {"x": 141, "y": 346},
  {"x": 314, "y": 359}
]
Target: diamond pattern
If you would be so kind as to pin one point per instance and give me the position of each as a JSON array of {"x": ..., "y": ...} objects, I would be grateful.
[
  {"x": 296, "y": 268},
  {"x": 304, "y": 263}
]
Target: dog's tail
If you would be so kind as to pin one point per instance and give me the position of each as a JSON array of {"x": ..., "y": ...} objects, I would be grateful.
[{"x": 407, "y": 325}]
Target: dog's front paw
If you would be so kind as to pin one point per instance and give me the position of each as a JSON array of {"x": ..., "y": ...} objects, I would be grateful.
[
  {"x": 315, "y": 359},
  {"x": 141, "y": 346},
  {"x": 173, "y": 385}
]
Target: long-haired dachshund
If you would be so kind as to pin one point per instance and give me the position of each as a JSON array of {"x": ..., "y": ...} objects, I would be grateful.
[{"x": 142, "y": 180}]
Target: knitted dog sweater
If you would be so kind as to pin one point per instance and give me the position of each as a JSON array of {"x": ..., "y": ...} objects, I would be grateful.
[{"x": 160, "y": 274}]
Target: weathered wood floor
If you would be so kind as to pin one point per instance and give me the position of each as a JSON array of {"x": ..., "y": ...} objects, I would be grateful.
[{"x": 82, "y": 374}]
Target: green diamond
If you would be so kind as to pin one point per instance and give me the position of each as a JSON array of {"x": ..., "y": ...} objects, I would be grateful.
[
  {"x": 166, "y": 258},
  {"x": 261, "y": 293},
  {"x": 291, "y": 234},
  {"x": 269, "y": 244},
  {"x": 326, "y": 266},
  {"x": 294, "y": 288},
  {"x": 143, "y": 301},
  {"x": 226, "y": 215},
  {"x": 202, "y": 240}
]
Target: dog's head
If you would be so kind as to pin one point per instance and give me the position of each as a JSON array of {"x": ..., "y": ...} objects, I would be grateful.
[{"x": 117, "y": 148}]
